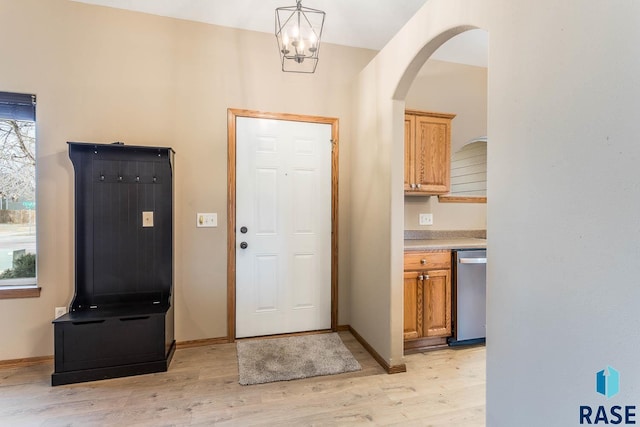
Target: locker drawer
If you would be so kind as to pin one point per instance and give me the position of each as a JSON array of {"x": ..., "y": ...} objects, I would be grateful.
[{"x": 105, "y": 342}]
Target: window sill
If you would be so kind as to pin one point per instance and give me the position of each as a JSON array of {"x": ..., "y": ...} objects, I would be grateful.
[
  {"x": 462, "y": 199},
  {"x": 10, "y": 292}
]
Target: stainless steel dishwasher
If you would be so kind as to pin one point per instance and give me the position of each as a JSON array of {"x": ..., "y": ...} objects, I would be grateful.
[{"x": 469, "y": 296}]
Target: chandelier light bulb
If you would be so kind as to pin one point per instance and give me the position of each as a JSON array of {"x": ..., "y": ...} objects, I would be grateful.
[
  {"x": 312, "y": 42},
  {"x": 298, "y": 31}
]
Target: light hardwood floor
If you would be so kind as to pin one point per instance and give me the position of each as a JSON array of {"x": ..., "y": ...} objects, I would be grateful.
[{"x": 440, "y": 388}]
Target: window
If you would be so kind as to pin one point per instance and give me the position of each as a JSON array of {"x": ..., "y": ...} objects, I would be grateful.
[{"x": 17, "y": 191}]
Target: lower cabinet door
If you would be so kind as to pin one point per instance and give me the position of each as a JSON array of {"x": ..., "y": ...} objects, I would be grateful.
[
  {"x": 437, "y": 304},
  {"x": 413, "y": 306}
]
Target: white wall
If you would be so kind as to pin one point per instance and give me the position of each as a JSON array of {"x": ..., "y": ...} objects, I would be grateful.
[
  {"x": 562, "y": 281},
  {"x": 104, "y": 75},
  {"x": 446, "y": 216},
  {"x": 451, "y": 88},
  {"x": 377, "y": 173}
]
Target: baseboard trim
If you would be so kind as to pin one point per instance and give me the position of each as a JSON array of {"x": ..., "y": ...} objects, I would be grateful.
[
  {"x": 227, "y": 340},
  {"x": 395, "y": 369},
  {"x": 202, "y": 342},
  {"x": 27, "y": 361},
  {"x": 424, "y": 344},
  {"x": 391, "y": 369}
]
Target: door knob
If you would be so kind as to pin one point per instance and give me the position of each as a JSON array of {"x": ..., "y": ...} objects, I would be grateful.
[
  {"x": 243, "y": 229},
  {"x": 243, "y": 245}
]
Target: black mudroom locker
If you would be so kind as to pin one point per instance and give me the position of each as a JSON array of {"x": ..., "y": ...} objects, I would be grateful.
[{"x": 121, "y": 319}]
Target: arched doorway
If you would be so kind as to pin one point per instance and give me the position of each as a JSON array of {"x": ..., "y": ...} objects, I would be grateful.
[
  {"x": 453, "y": 82},
  {"x": 377, "y": 238}
]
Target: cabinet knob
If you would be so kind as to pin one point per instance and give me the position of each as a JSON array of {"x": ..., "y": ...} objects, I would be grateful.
[
  {"x": 417, "y": 185},
  {"x": 423, "y": 261},
  {"x": 426, "y": 277},
  {"x": 421, "y": 277},
  {"x": 412, "y": 185}
]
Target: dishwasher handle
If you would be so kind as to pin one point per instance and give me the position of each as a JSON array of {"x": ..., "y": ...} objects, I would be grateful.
[{"x": 472, "y": 260}]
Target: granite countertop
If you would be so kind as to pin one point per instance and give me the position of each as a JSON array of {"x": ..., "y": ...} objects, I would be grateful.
[
  {"x": 434, "y": 244},
  {"x": 425, "y": 240}
]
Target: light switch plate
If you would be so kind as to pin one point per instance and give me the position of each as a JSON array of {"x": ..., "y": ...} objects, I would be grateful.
[
  {"x": 426, "y": 219},
  {"x": 147, "y": 219},
  {"x": 207, "y": 220}
]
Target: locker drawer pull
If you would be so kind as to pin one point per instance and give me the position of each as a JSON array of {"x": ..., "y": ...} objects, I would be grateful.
[
  {"x": 88, "y": 322},
  {"x": 134, "y": 318}
]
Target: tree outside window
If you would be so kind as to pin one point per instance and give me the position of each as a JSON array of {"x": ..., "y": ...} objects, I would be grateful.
[{"x": 17, "y": 199}]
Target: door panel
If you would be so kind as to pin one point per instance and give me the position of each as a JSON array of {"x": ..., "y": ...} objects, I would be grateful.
[
  {"x": 437, "y": 304},
  {"x": 266, "y": 184},
  {"x": 432, "y": 153},
  {"x": 266, "y": 283},
  {"x": 283, "y": 197},
  {"x": 412, "y": 305}
]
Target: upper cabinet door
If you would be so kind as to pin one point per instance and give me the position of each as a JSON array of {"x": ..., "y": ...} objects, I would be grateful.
[
  {"x": 433, "y": 158},
  {"x": 427, "y": 153},
  {"x": 409, "y": 151}
]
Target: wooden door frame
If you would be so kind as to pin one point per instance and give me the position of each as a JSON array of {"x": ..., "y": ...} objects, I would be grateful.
[{"x": 232, "y": 114}]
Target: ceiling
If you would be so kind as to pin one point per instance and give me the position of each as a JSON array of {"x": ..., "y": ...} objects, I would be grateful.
[{"x": 353, "y": 23}]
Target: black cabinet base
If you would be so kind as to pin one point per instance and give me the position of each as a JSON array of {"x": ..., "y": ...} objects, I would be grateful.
[{"x": 71, "y": 377}]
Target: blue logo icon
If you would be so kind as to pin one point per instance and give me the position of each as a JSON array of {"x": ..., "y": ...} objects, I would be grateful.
[{"x": 608, "y": 382}]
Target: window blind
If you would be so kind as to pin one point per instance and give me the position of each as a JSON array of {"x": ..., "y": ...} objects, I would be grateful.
[{"x": 17, "y": 106}]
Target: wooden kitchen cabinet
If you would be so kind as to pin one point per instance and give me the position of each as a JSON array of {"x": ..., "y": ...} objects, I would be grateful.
[
  {"x": 437, "y": 304},
  {"x": 427, "y": 299},
  {"x": 413, "y": 292},
  {"x": 427, "y": 152}
]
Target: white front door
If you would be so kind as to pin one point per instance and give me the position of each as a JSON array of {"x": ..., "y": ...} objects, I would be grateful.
[{"x": 283, "y": 226}]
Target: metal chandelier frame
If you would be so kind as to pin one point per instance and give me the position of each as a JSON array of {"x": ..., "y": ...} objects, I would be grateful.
[{"x": 298, "y": 32}]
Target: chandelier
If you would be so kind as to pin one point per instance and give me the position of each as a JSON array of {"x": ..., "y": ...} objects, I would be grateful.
[{"x": 298, "y": 31}]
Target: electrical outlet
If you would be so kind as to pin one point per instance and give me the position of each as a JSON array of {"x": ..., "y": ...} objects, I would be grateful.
[
  {"x": 60, "y": 311},
  {"x": 426, "y": 219},
  {"x": 207, "y": 220}
]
